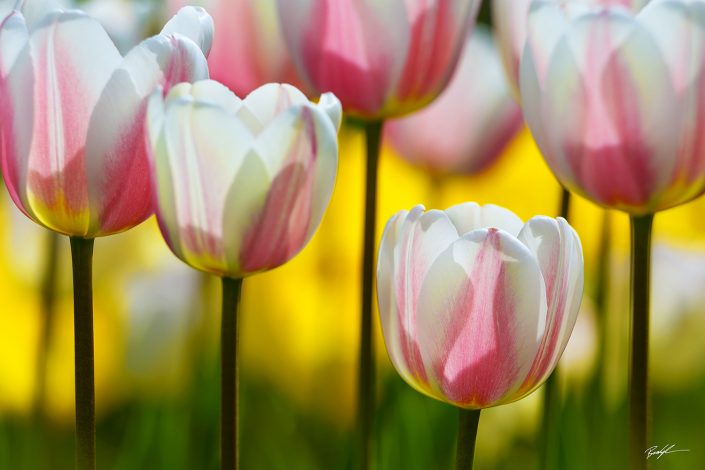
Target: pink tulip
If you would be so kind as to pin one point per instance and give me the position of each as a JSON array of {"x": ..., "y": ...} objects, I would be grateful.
[
  {"x": 509, "y": 18},
  {"x": 241, "y": 185},
  {"x": 248, "y": 47},
  {"x": 616, "y": 101},
  {"x": 381, "y": 58},
  {"x": 476, "y": 306},
  {"x": 465, "y": 129},
  {"x": 71, "y": 116}
]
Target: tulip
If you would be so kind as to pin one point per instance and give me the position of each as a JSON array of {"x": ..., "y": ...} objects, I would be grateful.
[
  {"x": 476, "y": 306},
  {"x": 240, "y": 187},
  {"x": 382, "y": 59},
  {"x": 619, "y": 140},
  {"x": 469, "y": 124},
  {"x": 73, "y": 157},
  {"x": 269, "y": 162},
  {"x": 509, "y": 18}
]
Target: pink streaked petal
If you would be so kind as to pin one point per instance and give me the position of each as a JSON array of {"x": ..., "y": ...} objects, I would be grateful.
[
  {"x": 437, "y": 33},
  {"x": 116, "y": 156},
  {"x": 268, "y": 101},
  {"x": 557, "y": 248},
  {"x": 203, "y": 152},
  {"x": 290, "y": 148},
  {"x": 73, "y": 58},
  {"x": 349, "y": 47},
  {"x": 470, "y": 216},
  {"x": 479, "y": 314}
]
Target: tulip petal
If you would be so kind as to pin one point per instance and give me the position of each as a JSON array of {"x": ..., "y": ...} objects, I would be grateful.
[
  {"x": 411, "y": 244},
  {"x": 471, "y": 216},
  {"x": 557, "y": 248},
  {"x": 299, "y": 149},
  {"x": 73, "y": 58},
  {"x": 479, "y": 314},
  {"x": 194, "y": 23},
  {"x": 203, "y": 151},
  {"x": 332, "y": 107},
  {"x": 268, "y": 101}
]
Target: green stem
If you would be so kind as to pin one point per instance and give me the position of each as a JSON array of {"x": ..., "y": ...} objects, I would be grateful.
[
  {"x": 641, "y": 228},
  {"x": 551, "y": 393},
  {"x": 366, "y": 379},
  {"x": 82, "y": 262},
  {"x": 229, "y": 367},
  {"x": 47, "y": 307},
  {"x": 467, "y": 435}
]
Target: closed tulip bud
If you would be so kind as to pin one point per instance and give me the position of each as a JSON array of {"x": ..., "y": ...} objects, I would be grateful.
[
  {"x": 477, "y": 306},
  {"x": 71, "y": 116},
  {"x": 466, "y": 128},
  {"x": 241, "y": 185},
  {"x": 615, "y": 100},
  {"x": 381, "y": 58}
]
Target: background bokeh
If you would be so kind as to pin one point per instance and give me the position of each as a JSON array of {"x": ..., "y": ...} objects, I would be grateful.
[{"x": 156, "y": 337}]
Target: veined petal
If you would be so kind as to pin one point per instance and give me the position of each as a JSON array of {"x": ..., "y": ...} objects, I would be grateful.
[
  {"x": 194, "y": 23},
  {"x": 479, "y": 315},
  {"x": 72, "y": 59},
  {"x": 557, "y": 248},
  {"x": 420, "y": 237},
  {"x": 203, "y": 151},
  {"x": 299, "y": 149},
  {"x": 352, "y": 48},
  {"x": 116, "y": 159},
  {"x": 471, "y": 216}
]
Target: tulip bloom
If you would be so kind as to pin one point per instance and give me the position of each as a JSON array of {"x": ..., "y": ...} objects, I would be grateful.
[
  {"x": 609, "y": 134},
  {"x": 71, "y": 116},
  {"x": 381, "y": 58},
  {"x": 465, "y": 129},
  {"x": 509, "y": 18},
  {"x": 477, "y": 306},
  {"x": 241, "y": 185}
]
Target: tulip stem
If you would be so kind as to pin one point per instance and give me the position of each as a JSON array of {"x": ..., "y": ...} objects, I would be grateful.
[
  {"x": 641, "y": 228},
  {"x": 550, "y": 388},
  {"x": 47, "y": 302},
  {"x": 467, "y": 435},
  {"x": 366, "y": 378},
  {"x": 82, "y": 263},
  {"x": 229, "y": 368}
]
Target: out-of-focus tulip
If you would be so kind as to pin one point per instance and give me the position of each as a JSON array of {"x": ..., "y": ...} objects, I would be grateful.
[
  {"x": 509, "y": 18},
  {"x": 241, "y": 185},
  {"x": 248, "y": 47},
  {"x": 477, "y": 306},
  {"x": 615, "y": 101},
  {"x": 72, "y": 126},
  {"x": 382, "y": 59},
  {"x": 466, "y": 128}
]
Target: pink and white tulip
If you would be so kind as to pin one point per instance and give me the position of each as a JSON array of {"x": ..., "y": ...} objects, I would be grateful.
[
  {"x": 241, "y": 185},
  {"x": 509, "y": 18},
  {"x": 71, "y": 116},
  {"x": 466, "y": 128},
  {"x": 477, "y": 306},
  {"x": 616, "y": 101},
  {"x": 381, "y": 58}
]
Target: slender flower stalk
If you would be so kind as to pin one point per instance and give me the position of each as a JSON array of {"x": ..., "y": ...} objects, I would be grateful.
[
  {"x": 551, "y": 393},
  {"x": 82, "y": 262},
  {"x": 229, "y": 373},
  {"x": 366, "y": 378},
  {"x": 641, "y": 229},
  {"x": 47, "y": 302},
  {"x": 468, "y": 421}
]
